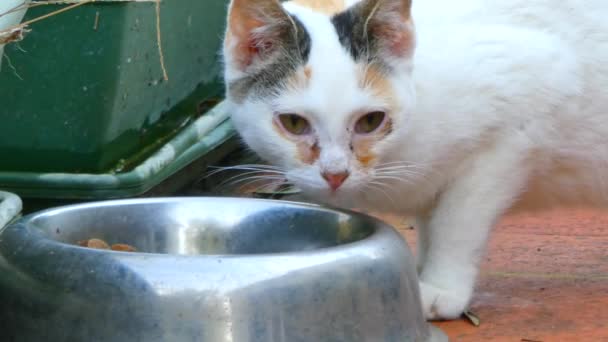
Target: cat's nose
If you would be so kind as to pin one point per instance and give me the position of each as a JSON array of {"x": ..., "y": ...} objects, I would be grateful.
[{"x": 335, "y": 180}]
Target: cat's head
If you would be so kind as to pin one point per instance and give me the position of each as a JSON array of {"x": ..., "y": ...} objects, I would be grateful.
[{"x": 321, "y": 88}]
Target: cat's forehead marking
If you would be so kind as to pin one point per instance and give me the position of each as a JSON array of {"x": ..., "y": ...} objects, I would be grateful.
[{"x": 328, "y": 7}]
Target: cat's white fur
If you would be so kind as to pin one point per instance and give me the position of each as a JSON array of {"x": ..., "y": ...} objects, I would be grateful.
[{"x": 505, "y": 107}]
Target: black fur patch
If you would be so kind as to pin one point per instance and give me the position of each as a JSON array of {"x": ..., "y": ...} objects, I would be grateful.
[
  {"x": 350, "y": 26},
  {"x": 294, "y": 51}
]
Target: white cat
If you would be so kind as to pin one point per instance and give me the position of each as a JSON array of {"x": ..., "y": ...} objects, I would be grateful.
[{"x": 457, "y": 111}]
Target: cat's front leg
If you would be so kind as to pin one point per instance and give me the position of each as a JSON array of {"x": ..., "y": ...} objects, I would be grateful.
[
  {"x": 458, "y": 229},
  {"x": 422, "y": 241}
]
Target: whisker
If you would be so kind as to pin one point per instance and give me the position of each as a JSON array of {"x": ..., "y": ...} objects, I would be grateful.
[
  {"x": 408, "y": 163},
  {"x": 403, "y": 167},
  {"x": 257, "y": 188},
  {"x": 255, "y": 179},
  {"x": 398, "y": 179},
  {"x": 245, "y": 174},
  {"x": 307, "y": 182},
  {"x": 379, "y": 186},
  {"x": 266, "y": 186},
  {"x": 420, "y": 170},
  {"x": 398, "y": 162},
  {"x": 400, "y": 172},
  {"x": 409, "y": 178},
  {"x": 260, "y": 166},
  {"x": 397, "y": 168},
  {"x": 404, "y": 171},
  {"x": 244, "y": 167}
]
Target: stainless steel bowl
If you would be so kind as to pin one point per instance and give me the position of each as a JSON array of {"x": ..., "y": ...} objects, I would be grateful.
[{"x": 208, "y": 269}]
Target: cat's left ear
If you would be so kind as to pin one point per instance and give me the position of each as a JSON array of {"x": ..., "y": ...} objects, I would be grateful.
[{"x": 389, "y": 24}]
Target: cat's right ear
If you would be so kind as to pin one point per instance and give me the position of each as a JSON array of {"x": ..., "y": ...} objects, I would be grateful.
[
  {"x": 390, "y": 22},
  {"x": 255, "y": 29}
]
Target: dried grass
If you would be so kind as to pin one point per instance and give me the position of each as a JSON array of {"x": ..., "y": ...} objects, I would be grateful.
[{"x": 18, "y": 32}]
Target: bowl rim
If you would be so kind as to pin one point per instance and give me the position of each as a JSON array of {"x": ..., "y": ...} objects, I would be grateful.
[{"x": 25, "y": 226}]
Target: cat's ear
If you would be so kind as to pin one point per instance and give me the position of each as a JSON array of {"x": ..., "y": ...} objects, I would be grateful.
[
  {"x": 255, "y": 30},
  {"x": 389, "y": 23}
]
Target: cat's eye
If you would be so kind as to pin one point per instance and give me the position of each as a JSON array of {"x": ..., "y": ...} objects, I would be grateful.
[
  {"x": 370, "y": 122},
  {"x": 294, "y": 124}
]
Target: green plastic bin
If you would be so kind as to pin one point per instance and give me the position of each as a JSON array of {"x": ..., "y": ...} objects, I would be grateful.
[
  {"x": 83, "y": 101},
  {"x": 84, "y": 91}
]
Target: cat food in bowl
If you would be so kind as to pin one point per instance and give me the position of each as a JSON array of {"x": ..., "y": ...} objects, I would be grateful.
[
  {"x": 207, "y": 269},
  {"x": 100, "y": 244}
]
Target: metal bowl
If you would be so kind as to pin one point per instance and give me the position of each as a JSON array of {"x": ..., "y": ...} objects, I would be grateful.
[{"x": 208, "y": 269}]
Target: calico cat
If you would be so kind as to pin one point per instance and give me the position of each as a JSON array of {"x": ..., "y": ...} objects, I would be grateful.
[{"x": 456, "y": 111}]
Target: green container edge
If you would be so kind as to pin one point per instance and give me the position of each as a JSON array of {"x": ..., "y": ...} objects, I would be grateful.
[{"x": 201, "y": 137}]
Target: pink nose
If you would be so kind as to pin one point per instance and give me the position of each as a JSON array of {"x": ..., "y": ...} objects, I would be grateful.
[{"x": 335, "y": 180}]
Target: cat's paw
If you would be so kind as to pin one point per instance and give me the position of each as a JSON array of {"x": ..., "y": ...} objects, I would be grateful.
[{"x": 442, "y": 304}]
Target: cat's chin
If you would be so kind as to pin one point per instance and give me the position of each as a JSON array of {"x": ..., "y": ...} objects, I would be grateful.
[{"x": 339, "y": 199}]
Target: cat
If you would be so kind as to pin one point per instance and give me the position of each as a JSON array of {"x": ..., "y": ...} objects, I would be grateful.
[{"x": 456, "y": 111}]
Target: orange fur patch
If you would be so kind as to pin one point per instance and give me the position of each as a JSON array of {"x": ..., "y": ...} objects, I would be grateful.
[
  {"x": 363, "y": 151},
  {"x": 308, "y": 154},
  {"x": 363, "y": 146},
  {"x": 308, "y": 72},
  {"x": 373, "y": 79},
  {"x": 300, "y": 78},
  {"x": 329, "y": 7}
]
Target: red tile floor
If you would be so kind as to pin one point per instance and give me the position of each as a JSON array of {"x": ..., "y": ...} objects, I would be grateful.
[{"x": 544, "y": 278}]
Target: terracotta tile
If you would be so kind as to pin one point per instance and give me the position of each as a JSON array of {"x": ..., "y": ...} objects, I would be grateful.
[
  {"x": 538, "y": 309},
  {"x": 548, "y": 255},
  {"x": 544, "y": 278}
]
